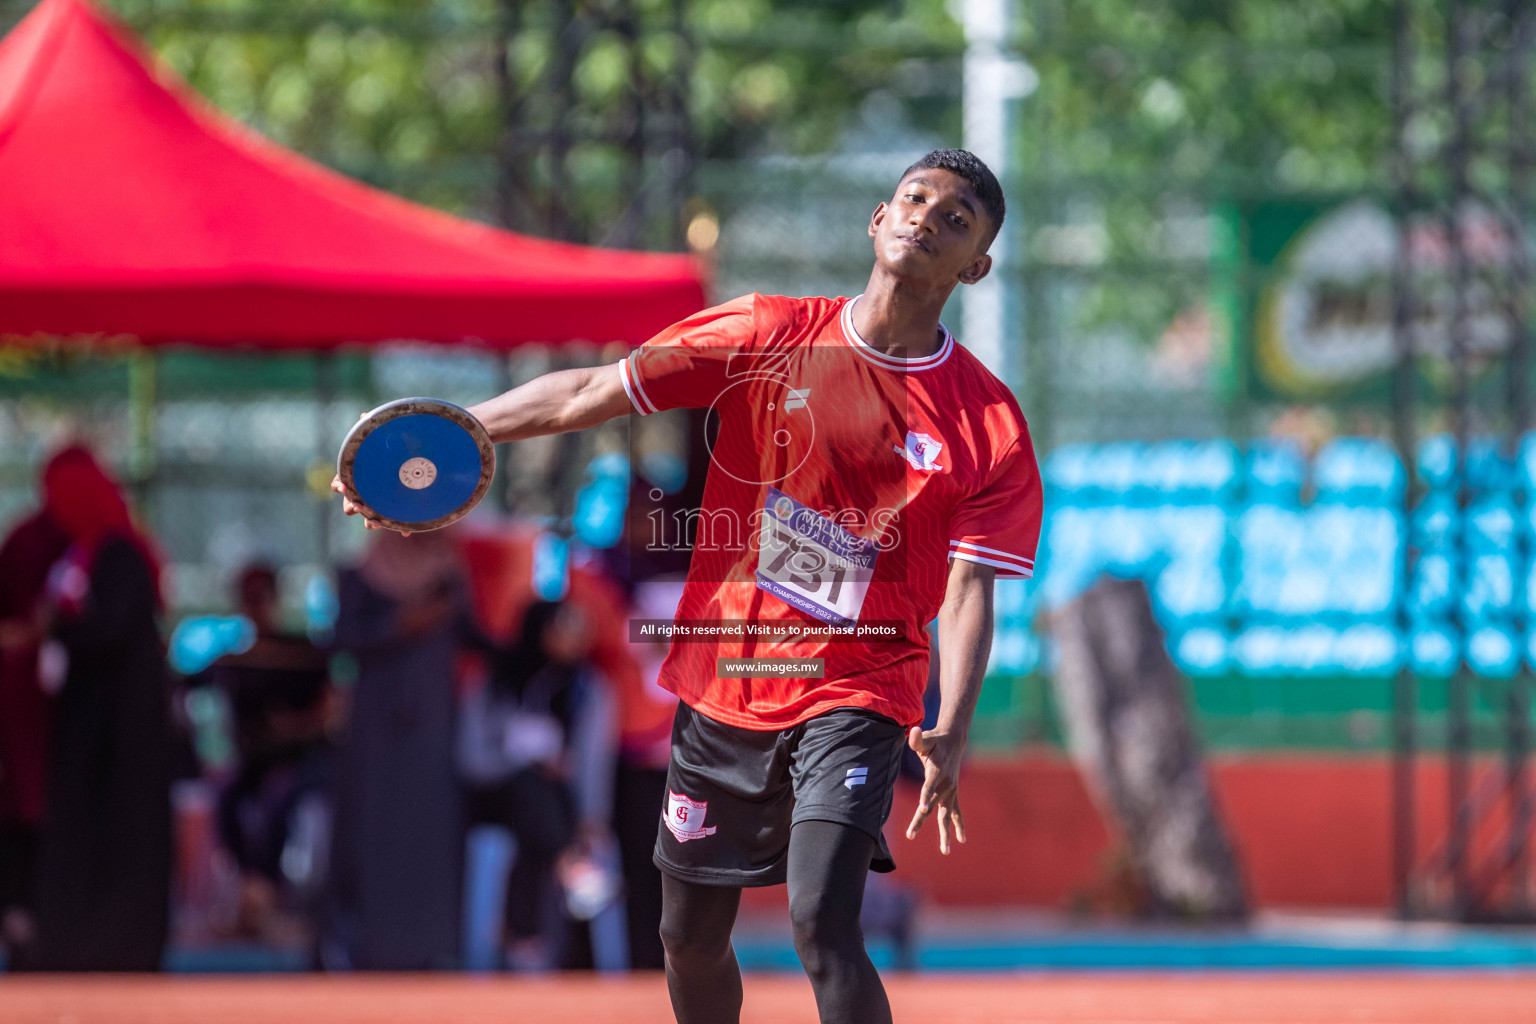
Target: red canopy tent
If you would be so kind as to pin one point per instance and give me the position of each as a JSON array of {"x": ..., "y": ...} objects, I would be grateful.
[{"x": 128, "y": 205}]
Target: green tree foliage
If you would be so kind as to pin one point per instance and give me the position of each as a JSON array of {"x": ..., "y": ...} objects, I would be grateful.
[
  {"x": 1235, "y": 95},
  {"x": 405, "y": 93},
  {"x": 1146, "y": 111},
  {"x": 1149, "y": 112}
]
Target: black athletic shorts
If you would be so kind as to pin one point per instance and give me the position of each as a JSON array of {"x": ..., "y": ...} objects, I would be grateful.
[{"x": 734, "y": 794}]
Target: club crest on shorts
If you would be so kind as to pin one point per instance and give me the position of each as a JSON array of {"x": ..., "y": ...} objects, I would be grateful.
[{"x": 685, "y": 817}]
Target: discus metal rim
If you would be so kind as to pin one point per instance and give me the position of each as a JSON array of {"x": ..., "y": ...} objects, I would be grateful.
[{"x": 376, "y": 418}]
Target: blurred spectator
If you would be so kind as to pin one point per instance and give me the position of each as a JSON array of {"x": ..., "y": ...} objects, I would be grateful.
[
  {"x": 104, "y": 866},
  {"x": 890, "y": 904},
  {"x": 398, "y": 846},
  {"x": 536, "y": 748},
  {"x": 645, "y": 748},
  {"x": 280, "y": 700},
  {"x": 25, "y": 719}
]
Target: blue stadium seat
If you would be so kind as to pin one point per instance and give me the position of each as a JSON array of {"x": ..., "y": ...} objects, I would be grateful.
[
  {"x": 1118, "y": 467},
  {"x": 1360, "y": 548},
  {"x": 200, "y": 640},
  {"x": 1437, "y": 461},
  {"x": 1358, "y": 469},
  {"x": 1013, "y": 599},
  {"x": 1436, "y": 583},
  {"x": 551, "y": 566},
  {"x": 1260, "y": 651},
  {"x": 1201, "y": 651},
  {"x": 1272, "y": 542},
  {"x": 1436, "y": 522},
  {"x": 665, "y": 470},
  {"x": 1068, "y": 470},
  {"x": 1527, "y": 520},
  {"x": 1525, "y": 464},
  {"x": 1493, "y": 652},
  {"x": 1189, "y": 590},
  {"x": 1488, "y": 468},
  {"x": 1276, "y": 470},
  {"x": 1015, "y": 651},
  {"x": 1286, "y": 651},
  {"x": 1368, "y": 649},
  {"x": 1329, "y": 559},
  {"x": 1530, "y": 590},
  {"x": 1128, "y": 539},
  {"x": 1185, "y": 471},
  {"x": 1434, "y": 650},
  {"x": 600, "y": 509},
  {"x": 1317, "y": 585},
  {"x": 1490, "y": 587}
]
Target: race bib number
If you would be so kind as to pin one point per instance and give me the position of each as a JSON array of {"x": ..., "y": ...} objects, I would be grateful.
[{"x": 812, "y": 563}]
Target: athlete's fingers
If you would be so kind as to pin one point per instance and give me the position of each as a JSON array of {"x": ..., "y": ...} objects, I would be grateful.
[
  {"x": 917, "y": 741},
  {"x": 929, "y": 798},
  {"x": 346, "y": 503},
  {"x": 349, "y": 506},
  {"x": 944, "y": 830},
  {"x": 954, "y": 814},
  {"x": 346, "y": 499},
  {"x": 924, "y": 808},
  {"x": 926, "y": 801}
]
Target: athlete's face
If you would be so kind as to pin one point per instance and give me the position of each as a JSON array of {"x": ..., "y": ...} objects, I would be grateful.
[{"x": 933, "y": 231}]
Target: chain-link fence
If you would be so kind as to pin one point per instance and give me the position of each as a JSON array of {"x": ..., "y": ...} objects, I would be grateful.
[{"x": 1195, "y": 253}]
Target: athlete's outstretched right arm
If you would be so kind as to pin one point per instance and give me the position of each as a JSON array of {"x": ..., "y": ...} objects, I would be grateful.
[
  {"x": 555, "y": 403},
  {"x": 552, "y": 404}
]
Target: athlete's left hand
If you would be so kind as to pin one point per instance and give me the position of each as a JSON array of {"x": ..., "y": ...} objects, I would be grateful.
[{"x": 941, "y": 753}]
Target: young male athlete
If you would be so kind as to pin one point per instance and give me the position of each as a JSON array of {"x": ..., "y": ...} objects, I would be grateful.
[{"x": 869, "y": 474}]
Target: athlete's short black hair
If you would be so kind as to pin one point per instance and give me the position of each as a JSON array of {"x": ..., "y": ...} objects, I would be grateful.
[{"x": 978, "y": 175}]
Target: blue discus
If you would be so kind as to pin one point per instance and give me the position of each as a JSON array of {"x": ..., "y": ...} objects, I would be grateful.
[{"x": 416, "y": 464}]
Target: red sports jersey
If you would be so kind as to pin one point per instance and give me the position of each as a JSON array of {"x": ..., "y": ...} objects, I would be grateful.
[{"x": 842, "y": 482}]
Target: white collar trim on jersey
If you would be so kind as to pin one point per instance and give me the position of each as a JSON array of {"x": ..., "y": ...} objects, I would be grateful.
[{"x": 891, "y": 362}]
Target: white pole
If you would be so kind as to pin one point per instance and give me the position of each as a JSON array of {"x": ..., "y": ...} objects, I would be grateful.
[{"x": 992, "y": 78}]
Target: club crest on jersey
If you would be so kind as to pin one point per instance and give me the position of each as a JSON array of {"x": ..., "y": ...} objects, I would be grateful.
[
  {"x": 922, "y": 449},
  {"x": 685, "y": 817}
]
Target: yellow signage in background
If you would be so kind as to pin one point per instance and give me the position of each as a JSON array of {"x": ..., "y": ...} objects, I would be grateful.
[{"x": 1322, "y": 302}]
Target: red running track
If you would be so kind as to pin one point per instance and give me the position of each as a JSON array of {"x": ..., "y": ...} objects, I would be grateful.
[{"x": 1376, "y": 998}]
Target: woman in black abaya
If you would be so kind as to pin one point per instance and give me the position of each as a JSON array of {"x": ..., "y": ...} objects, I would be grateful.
[{"x": 104, "y": 864}]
